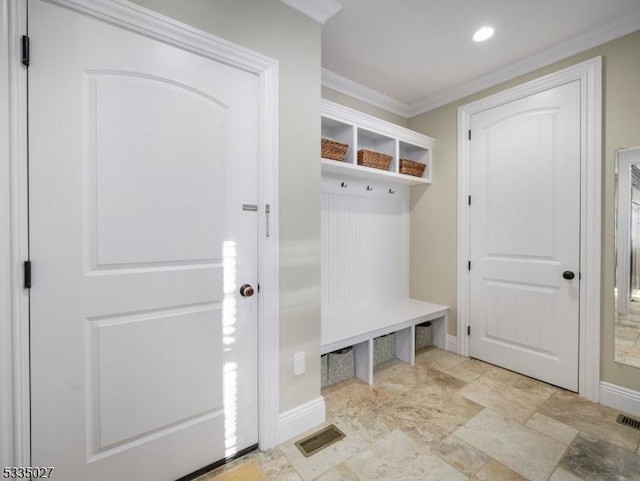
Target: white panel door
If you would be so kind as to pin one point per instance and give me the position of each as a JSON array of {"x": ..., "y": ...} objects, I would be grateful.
[
  {"x": 525, "y": 221},
  {"x": 144, "y": 354}
]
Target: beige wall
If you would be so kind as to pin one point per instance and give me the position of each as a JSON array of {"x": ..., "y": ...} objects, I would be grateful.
[
  {"x": 273, "y": 29},
  {"x": 434, "y": 208},
  {"x": 361, "y": 106}
]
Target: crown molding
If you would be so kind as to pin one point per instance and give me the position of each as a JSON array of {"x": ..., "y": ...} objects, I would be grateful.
[
  {"x": 319, "y": 10},
  {"x": 360, "y": 92},
  {"x": 560, "y": 51}
]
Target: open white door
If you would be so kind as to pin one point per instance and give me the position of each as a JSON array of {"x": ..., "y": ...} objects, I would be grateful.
[
  {"x": 142, "y": 154},
  {"x": 525, "y": 235}
]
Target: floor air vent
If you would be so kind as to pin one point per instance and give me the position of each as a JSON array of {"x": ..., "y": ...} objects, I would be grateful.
[
  {"x": 630, "y": 422},
  {"x": 320, "y": 440}
]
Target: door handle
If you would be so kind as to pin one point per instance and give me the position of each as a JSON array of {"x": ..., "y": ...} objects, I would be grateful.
[
  {"x": 246, "y": 290},
  {"x": 568, "y": 275}
]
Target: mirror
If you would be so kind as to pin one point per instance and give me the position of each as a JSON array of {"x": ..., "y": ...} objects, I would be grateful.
[{"x": 627, "y": 287}]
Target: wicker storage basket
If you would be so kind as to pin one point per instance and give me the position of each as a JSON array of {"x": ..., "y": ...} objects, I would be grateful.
[
  {"x": 369, "y": 158},
  {"x": 409, "y": 167},
  {"x": 333, "y": 150},
  {"x": 423, "y": 335},
  {"x": 384, "y": 348},
  {"x": 341, "y": 365}
]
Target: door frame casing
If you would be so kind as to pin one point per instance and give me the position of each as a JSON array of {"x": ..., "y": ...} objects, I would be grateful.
[
  {"x": 589, "y": 74},
  {"x": 14, "y": 247}
]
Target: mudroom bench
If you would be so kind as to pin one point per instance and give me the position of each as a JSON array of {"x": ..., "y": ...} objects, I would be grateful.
[
  {"x": 359, "y": 324},
  {"x": 369, "y": 167}
]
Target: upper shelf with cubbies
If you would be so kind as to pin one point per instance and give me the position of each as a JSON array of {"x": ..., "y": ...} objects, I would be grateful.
[{"x": 362, "y": 132}]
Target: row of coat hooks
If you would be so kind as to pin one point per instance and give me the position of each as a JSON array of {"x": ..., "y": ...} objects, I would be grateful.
[{"x": 344, "y": 185}]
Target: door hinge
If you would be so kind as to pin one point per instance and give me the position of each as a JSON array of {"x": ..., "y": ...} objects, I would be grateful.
[
  {"x": 469, "y": 134},
  {"x": 469, "y": 200},
  {"x": 26, "y": 51},
  {"x": 469, "y": 265},
  {"x": 27, "y": 274},
  {"x": 468, "y": 330}
]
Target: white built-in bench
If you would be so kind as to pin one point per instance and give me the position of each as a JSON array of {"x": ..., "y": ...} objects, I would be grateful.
[{"x": 358, "y": 324}]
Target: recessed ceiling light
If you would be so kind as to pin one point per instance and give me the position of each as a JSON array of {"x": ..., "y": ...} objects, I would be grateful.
[{"x": 483, "y": 34}]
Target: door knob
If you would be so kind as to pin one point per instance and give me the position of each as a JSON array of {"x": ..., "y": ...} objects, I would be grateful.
[
  {"x": 246, "y": 290},
  {"x": 568, "y": 275}
]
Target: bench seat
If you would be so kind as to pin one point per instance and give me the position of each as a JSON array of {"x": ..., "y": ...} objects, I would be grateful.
[{"x": 357, "y": 324}]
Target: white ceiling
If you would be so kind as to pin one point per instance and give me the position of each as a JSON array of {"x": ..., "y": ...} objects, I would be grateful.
[{"x": 418, "y": 54}]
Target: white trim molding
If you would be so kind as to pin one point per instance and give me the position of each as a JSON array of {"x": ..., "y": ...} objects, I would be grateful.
[
  {"x": 559, "y": 51},
  {"x": 358, "y": 91},
  {"x": 452, "y": 343},
  {"x": 318, "y": 10},
  {"x": 15, "y": 441},
  {"x": 593, "y": 38},
  {"x": 14, "y": 247},
  {"x": 589, "y": 74},
  {"x": 301, "y": 418},
  {"x": 618, "y": 397},
  {"x": 6, "y": 394}
]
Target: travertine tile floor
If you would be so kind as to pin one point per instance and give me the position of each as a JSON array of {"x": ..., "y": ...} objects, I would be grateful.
[{"x": 449, "y": 418}]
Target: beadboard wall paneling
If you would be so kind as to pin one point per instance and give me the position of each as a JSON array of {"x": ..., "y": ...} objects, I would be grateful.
[{"x": 365, "y": 240}]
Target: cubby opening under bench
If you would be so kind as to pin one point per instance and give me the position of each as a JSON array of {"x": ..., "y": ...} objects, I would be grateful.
[{"x": 365, "y": 237}]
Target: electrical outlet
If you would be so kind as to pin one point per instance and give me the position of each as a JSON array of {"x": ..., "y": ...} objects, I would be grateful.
[{"x": 299, "y": 363}]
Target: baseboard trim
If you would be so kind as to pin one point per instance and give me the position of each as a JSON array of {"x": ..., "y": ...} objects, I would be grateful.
[
  {"x": 621, "y": 398},
  {"x": 300, "y": 419},
  {"x": 452, "y": 344}
]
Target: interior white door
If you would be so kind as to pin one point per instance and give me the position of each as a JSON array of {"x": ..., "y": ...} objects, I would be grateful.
[
  {"x": 525, "y": 234},
  {"x": 142, "y": 154}
]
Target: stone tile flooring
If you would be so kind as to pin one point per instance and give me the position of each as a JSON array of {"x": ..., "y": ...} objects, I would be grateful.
[{"x": 453, "y": 419}]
